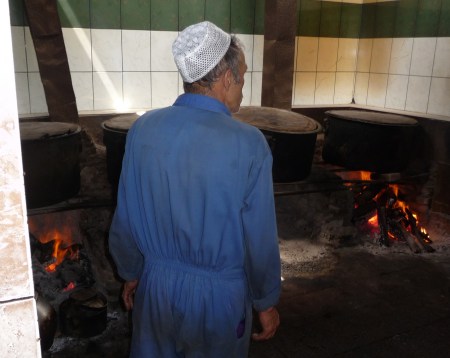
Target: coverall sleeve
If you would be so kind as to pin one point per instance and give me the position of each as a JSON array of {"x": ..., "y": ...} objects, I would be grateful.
[
  {"x": 263, "y": 267},
  {"x": 122, "y": 244}
]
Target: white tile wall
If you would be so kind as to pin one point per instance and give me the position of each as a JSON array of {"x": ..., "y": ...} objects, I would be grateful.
[
  {"x": 32, "y": 64},
  {"x": 19, "y": 53},
  {"x": 136, "y": 50},
  {"x": 164, "y": 88},
  {"x": 439, "y": 102},
  {"x": 344, "y": 87},
  {"x": 161, "y": 56},
  {"x": 247, "y": 42},
  {"x": 305, "y": 84},
  {"x": 361, "y": 87},
  {"x": 22, "y": 93},
  {"x": 376, "y": 94},
  {"x": 381, "y": 55},
  {"x": 106, "y": 50},
  {"x": 364, "y": 55},
  {"x": 247, "y": 90},
  {"x": 327, "y": 55},
  {"x": 137, "y": 93},
  {"x": 324, "y": 92},
  {"x": 258, "y": 52},
  {"x": 418, "y": 94},
  {"x": 107, "y": 90},
  {"x": 441, "y": 67},
  {"x": 116, "y": 69},
  {"x": 307, "y": 52},
  {"x": 78, "y": 48},
  {"x": 256, "y": 88},
  {"x": 347, "y": 54},
  {"x": 38, "y": 103},
  {"x": 397, "y": 89},
  {"x": 422, "y": 56},
  {"x": 400, "y": 63},
  {"x": 82, "y": 83}
]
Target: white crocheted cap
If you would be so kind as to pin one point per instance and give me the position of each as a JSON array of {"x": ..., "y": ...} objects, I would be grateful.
[{"x": 198, "y": 49}]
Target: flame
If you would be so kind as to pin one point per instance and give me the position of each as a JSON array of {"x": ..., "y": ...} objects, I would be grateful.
[
  {"x": 392, "y": 191},
  {"x": 70, "y": 286},
  {"x": 62, "y": 247},
  {"x": 59, "y": 228},
  {"x": 355, "y": 175}
]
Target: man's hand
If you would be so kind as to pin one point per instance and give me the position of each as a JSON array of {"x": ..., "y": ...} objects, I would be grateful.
[
  {"x": 129, "y": 288},
  {"x": 270, "y": 320}
]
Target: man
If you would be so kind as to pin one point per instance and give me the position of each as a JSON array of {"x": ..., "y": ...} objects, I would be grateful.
[{"x": 194, "y": 232}]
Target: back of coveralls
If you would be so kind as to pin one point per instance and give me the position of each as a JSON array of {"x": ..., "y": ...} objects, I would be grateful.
[{"x": 195, "y": 224}]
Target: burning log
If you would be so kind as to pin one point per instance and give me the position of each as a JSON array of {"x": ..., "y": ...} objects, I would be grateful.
[
  {"x": 382, "y": 222},
  {"x": 405, "y": 235},
  {"x": 392, "y": 216},
  {"x": 422, "y": 238}
]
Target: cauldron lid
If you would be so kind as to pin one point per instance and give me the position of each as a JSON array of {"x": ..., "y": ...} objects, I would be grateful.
[
  {"x": 372, "y": 117},
  {"x": 121, "y": 123},
  {"x": 46, "y": 130},
  {"x": 276, "y": 120}
]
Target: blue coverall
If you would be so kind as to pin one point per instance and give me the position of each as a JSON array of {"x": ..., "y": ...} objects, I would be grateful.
[{"x": 195, "y": 224}]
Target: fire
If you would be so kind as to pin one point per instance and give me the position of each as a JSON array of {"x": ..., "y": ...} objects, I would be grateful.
[
  {"x": 70, "y": 286},
  {"x": 60, "y": 253},
  {"x": 393, "y": 219},
  {"x": 355, "y": 176},
  {"x": 59, "y": 229}
]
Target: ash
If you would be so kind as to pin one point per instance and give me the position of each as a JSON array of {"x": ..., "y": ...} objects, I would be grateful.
[{"x": 113, "y": 342}]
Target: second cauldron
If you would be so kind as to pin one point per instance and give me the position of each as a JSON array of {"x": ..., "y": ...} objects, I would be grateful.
[
  {"x": 369, "y": 141},
  {"x": 291, "y": 137}
]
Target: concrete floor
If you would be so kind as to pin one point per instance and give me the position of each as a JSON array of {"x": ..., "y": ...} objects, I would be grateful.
[{"x": 368, "y": 306}]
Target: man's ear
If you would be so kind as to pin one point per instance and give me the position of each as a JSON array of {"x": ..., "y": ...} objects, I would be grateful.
[{"x": 227, "y": 79}]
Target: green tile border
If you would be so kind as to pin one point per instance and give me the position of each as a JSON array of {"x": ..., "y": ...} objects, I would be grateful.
[
  {"x": 164, "y": 15},
  {"x": 74, "y": 13},
  {"x": 330, "y": 19},
  {"x": 135, "y": 14},
  {"x": 403, "y": 18},
  {"x": 444, "y": 21},
  {"x": 16, "y": 12},
  {"x": 242, "y": 16},
  {"x": 427, "y": 18},
  {"x": 385, "y": 19},
  {"x": 190, "y": 12},
  {"x": 309, "y": 18},
  {"x": 105, "y": 14},
  {"x": 219, "y": 13},
  {"x": 350, "y": 21}
]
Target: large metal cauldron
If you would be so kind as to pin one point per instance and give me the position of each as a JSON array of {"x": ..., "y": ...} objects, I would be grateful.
[
  {"x": 114, "y": 137},
  {"x": 371, "y": 141},
  {"x": 291, "y": 137},
  {"x": 51, "y": 161}
]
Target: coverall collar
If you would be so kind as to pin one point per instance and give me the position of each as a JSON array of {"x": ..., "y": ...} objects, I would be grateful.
[{"x": 201, "y": 102}]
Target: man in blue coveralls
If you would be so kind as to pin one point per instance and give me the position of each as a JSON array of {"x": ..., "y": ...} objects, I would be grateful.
[{"x": 194, "y": 232}]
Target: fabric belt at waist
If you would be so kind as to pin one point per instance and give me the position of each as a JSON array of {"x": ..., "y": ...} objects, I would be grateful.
[{"x": 229, "y": 274}]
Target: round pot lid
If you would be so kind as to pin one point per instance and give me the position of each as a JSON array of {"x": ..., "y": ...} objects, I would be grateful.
[
  {"x": 121, "y": 123},
  {"x": 46, "y": 130},
  {"x": 372, "y": 117},
  {"x": 277, "y": 120}
]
